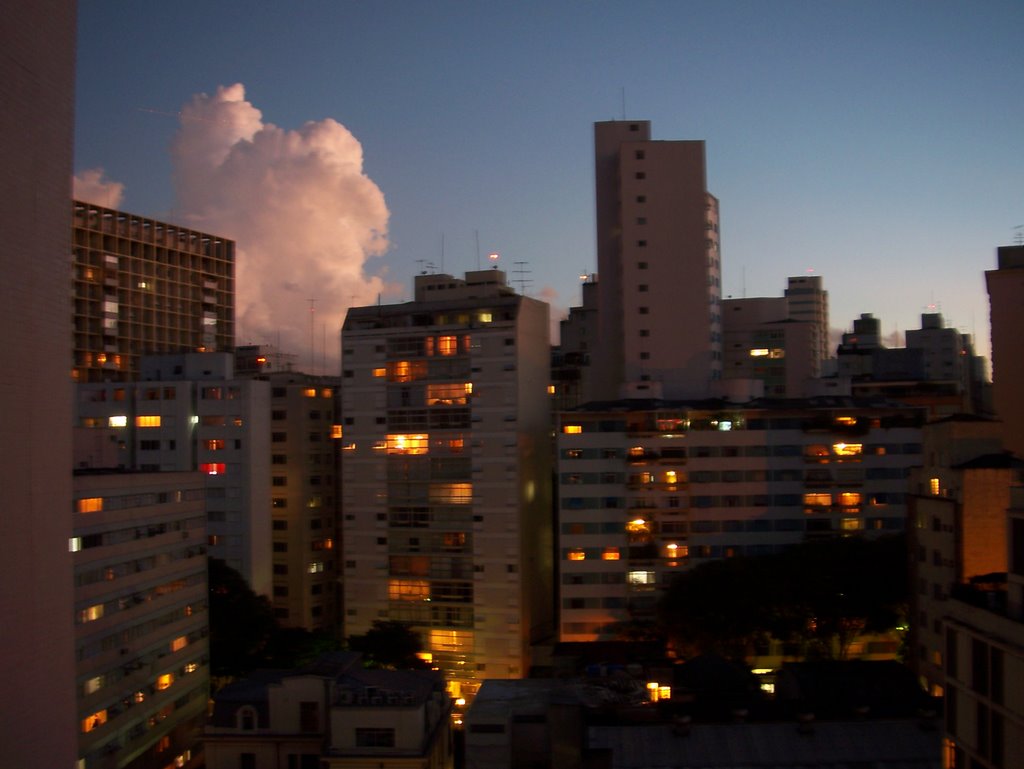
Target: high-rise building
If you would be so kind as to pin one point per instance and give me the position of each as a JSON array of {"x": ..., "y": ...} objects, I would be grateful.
[
  {"x": 143, "y": 287},
  {"x": 659, "y": 268},
  {"x": 37, "y": 711},
  {"x": 304, "y": 501},
  {"x": 446, "y": 466},
  {"x": 1006, "y": 304},
  {"x": 189, "y": 412},
  {"x": 808, "y": 300},
  {"x": 141, "y": 620},
  {"x": 648, "y": 489}
]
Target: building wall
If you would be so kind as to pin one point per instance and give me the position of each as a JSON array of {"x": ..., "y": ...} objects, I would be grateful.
[
  {"x": 37, "y": 714},
  {"x": 446, "y": 475},
  {"x": 143, "y": 287},
  {"x": 141, "y": 618},
  {"x": 1006, "y": 306},
  {"x": 658, "y": 264},
  {"x": 648, "y": 491}
]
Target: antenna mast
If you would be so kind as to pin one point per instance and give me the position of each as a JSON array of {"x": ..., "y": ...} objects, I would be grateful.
[{"x": 523, "y": 280}]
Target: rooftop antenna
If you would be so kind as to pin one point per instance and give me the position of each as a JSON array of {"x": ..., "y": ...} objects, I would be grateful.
[
  {"x": 312, "y": 343},
  {"x": 522, "y": 272},
  {"x": 1018, "y": 235}
]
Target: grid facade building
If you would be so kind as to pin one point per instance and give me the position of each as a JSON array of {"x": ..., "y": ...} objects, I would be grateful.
[
  {"x": 649, "y": 489},
  {"x": 142, "y": 287},
  {"x": 141, "y": 622},
  {"x": 446, "y": 473}
]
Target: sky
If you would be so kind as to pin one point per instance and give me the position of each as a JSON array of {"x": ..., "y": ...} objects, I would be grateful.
[{"x": 348, "y": 146}]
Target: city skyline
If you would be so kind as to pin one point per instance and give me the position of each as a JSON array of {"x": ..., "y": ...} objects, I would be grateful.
[{"x": 874, "y": 145}]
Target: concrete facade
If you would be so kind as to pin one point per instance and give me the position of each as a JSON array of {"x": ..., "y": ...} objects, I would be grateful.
[{"x": 1006, "y": 306}]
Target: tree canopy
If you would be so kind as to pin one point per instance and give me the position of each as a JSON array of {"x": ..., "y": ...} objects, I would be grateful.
[
  {"x": 819, "y": 594},
  {"x": 389, "y": 644}
]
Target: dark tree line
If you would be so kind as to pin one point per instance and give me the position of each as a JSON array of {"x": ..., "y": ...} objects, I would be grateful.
[{"x": 819, "y": 595}]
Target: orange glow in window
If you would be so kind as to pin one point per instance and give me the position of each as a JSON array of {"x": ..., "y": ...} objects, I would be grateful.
[
  {"x": 572, "y": 429},
  {"x": 610, "y": 554},
  {"x": 90, "y": 505},
  {"x": 577, "y": 555}
]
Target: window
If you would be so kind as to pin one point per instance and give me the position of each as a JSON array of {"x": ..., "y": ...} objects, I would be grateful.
[
  {"x": 213, "y": 468},
  {"x": 375, "y": 737},
  {"x": 572, "y": 429},
  {"x": 247, "y": 721},
  {"x": 90, "y": 505},
  {"x": 147, "y": 421},
  {"x": 400, "y": 443}
]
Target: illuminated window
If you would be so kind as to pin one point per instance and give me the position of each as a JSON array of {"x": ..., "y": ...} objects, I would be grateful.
[
  {"x": 851, "y": 524},
  {"x": 447, "y": 345},
  {"x": 759, "y": 352},
  {"x": 933, "y": 486},
  {"x": 458, "y": 641},
  {"x": 214, "y": 444},
  {"x": 408, "y": 590},
  {"x": 213, "y": 468},
  {"x": 191, "y": 667},
  {"x": 336, "y": 431},
  {"x": 164, "y": 681},
  {"x": 658, "y": 691},
  {"x": 672, "y": 550},
  {"x": 576, "y": 555},
  {"x": 638, "y": 526},
  {"x": 849, "y": 421},
  {"x": 671, "y": 476},
  {"x": 147, "y": 421},
  {"x": 636, "y": 451},
  {"x": 485, "y": 317},
  {"x": 90, "y": 505},
  {"x": 572, "y": 429},
  {"x": 117, "y": 421},
  {"x": 90, "y": 614},
  {"x": 818, "y": 499},
  {"x": 380, "y": 372},
  {"x": 179, "y": 643},
  {"x": 816, "y": 450},
  {"x": 323, "y": 544},
  {"x": 315, "y": 567},
  {"x": 451, "y": 493},
  {"x": 309, "y": 392},
  {"x": 640, "y": 578},
  {"x": 551, "y": 389},
  {"x": 847, "y": 449},
  {"x": 776, "y": 353},
  {"x": 327, "y": 392},
  {"x": 849, "y": 498},
  {"x": 95, "y": 721},
  {"x": 406, "y": 371},
  {"x": 449, "y": 394},
  {"x": 401, "y": 443},
  {"x": 93, "y": 685},
  {"x": 610, "y": 554},
  {"x": 455, "y": 445},
  {"x": 74, "y": 544}
]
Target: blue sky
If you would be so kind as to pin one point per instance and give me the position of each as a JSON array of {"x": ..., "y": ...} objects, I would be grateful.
[{"x": 879, "y": 144}]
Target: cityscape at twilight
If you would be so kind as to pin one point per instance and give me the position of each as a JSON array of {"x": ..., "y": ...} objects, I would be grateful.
[{"x": 544, "y": 386}]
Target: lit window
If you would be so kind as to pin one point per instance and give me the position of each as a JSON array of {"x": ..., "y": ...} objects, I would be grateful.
[
  {"x": 214, "y": 444},
  {"x": 640, "y": 578},
  {"x": 572, "y": 429},
  {"x": 671, "y": 476},
  {"x": 449, "y": 394},
  {"x": 849, "y": 498},
  {"x": 406, "y": 371},
  {"x": 336, "y": 431},
  {"x": 90, "y": 614},
  {"x": 851, "y": 524},
  {"x": 638, "y": 526},
  {"x": 636, "y": 451},
  {"x": 610, "y": 554},
  {"x": 577, "y": 555},
  {"x": 658, "y": 691},
  {"x": 309, "y": 392},
  {"x": 118, "y": 421},
  {"x": 451, "y": 493},
  {"x": 95, "y": 721},
  {"x": 409, "y": 590},
  {"x": 447, "y": 345},
  {"x": 380, "y": 372},
  {"x": 164, "y": 681},
  {"x": 933, "y": 486},
  {"x": 849, "y": 421},
  {"x": 179, "y": 643},
  {"x": 400, "y": 443},
  {"x": 74, "y": 544},
  {"x": 551, "y": 389},
  {"x": 485, "y": 317},
  {"x": 90, "y": 505},
  {"x": 672, "y": 550},
  {"x": 147, "y": 421},
  {"x": 191, "y": 667},
  {"x": 93, "y": 685},
  {"x": 759, "y": 352},
  {"x": 847, "y": 449},
  {"x": 776, "y": 353},
  {"x": 818, "y": 499},
  {"x": 327, "y": 392},
  {"x": 315, "y": 567},
  {"x": 213, "y": 468}
]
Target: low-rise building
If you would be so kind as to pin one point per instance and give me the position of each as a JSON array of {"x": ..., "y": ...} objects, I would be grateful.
[{"x": 333, "y": 714}]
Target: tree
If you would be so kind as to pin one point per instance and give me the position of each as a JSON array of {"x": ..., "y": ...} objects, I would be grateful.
[
  {"x": 389, "y": 644},
  {"x": 819, "y": 594},
  {"x": 242, "y": 623}
]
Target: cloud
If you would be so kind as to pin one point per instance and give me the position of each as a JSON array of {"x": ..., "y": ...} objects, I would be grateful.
[
  {"x": 305, "y": 217},
  {"x": 90, "y": 186}
]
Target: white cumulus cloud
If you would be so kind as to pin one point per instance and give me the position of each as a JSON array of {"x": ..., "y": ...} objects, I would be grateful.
[
  {"x": 303, "y": 213},
  {"x": 92, "y": 186}
]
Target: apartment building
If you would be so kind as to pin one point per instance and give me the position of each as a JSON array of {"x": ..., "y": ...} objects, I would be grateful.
[
  {"x": 650, "y": 488},
  {"x": 143, "y": 287},
  {"x": 333, "y": 714},
  {"x": 141, "y": 622},
  {"x": 304, "y": 500},
  {"x": 659, "y": 266},
  {"x": 189, "y": 412},
  {"x": 446, "y": 462}
]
